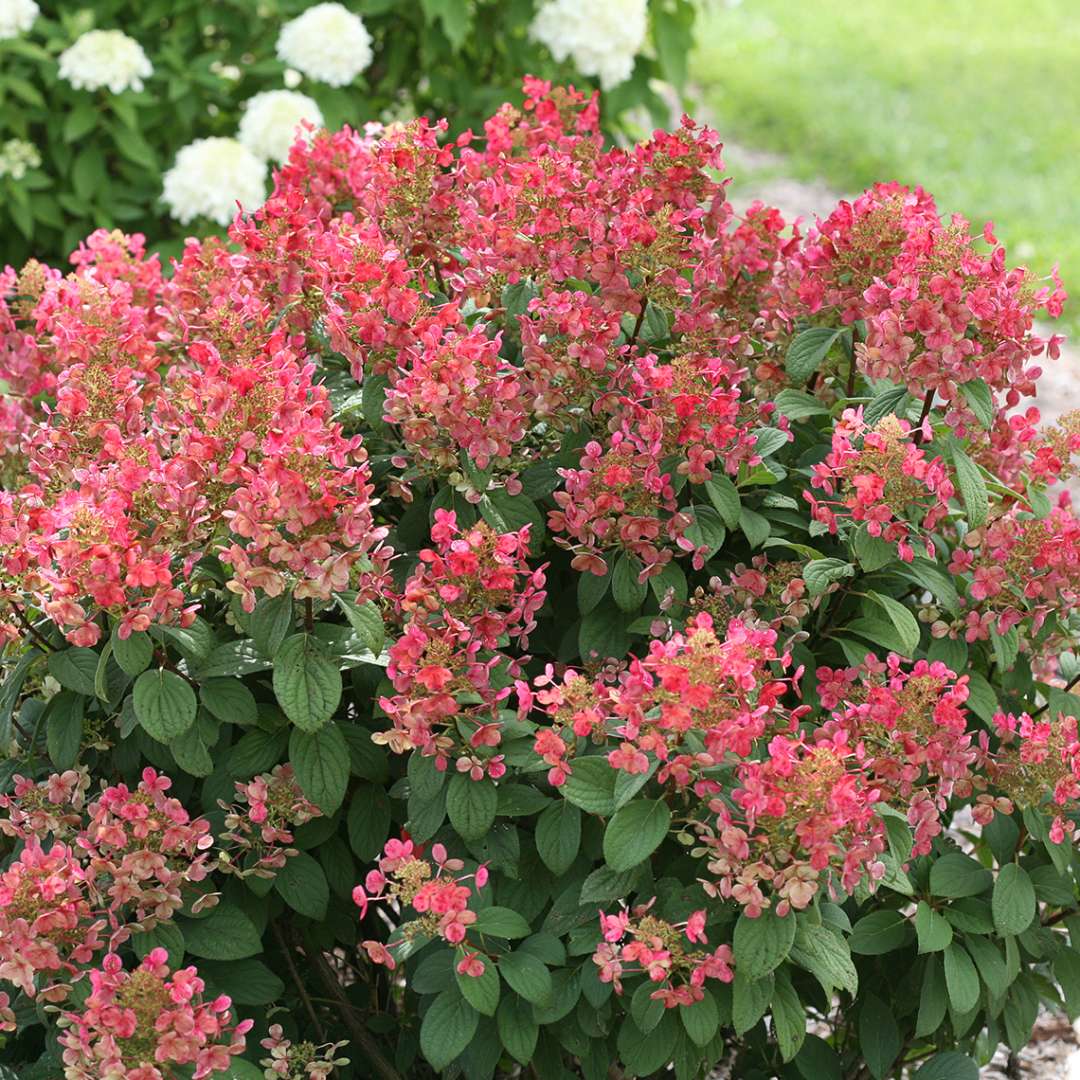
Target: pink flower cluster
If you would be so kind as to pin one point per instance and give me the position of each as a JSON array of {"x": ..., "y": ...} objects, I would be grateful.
[
  {"x": 881, "y": 476},
  {"x": 670, "y": 954},
  {"x": 433, "y": 888},
  {"x": 939, "y": 313},
  {"x": 127, "y": 857},
  {"x": 136, "y": 1025},
  {"x": 262, "y": 830},
  {"x": 471, "y": 596}
]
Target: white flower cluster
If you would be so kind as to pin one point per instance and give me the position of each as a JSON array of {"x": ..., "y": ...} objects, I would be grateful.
[
  {"x": 16, "y": 156},
  {"x": 327, "y": 43},
  {"x": 105, "y": 58},
  {"x": 268, "y": 126},
  {"x": 208, "y": 179},
  {"x": 16, "y": 17},
  {"x": 601, "y": 37}
]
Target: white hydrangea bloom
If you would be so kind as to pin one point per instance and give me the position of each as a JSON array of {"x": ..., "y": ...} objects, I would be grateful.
[
  {"x": 208, "y": 179},
  {"x": 16, "y": 156},
  {"x": 268, "y": 126},
  {"x": 16, "y": 17},
  {"x": 600, "y": 37},
  {"x": 327, "y": 43},
  {"x": 105, "y": 58}
]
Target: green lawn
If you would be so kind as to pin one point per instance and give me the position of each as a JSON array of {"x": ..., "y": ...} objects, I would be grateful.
[{"x": 977, "y": 100}]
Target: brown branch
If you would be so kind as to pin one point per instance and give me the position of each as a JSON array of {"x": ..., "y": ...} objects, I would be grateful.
[
  {"x": 309, "y": 615},
  {"x": 379, "y": 1063},
  {"x": 286, "y": 952},
  {"x": 640, "y": 320},
  {"x": 927, "y": 405},
  {"x": 29, "y": 627}
]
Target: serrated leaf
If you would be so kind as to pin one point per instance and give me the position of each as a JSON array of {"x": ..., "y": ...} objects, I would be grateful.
[
  {"x": 229, "y": 701},
  {"x": 1013, "y": 902},
  {"x": 471, "y": 805},
  {"x": 761, "y": 944},
  {"x": 302, "y": 884},
  {"x": 320, "y": 761},
  {"x": 635, "y": 832},
  {"x": 481, "y": 991},
  {"x": 807, "y": 350},
  {"x": 225, "y": 934},
  {"x": 558, "y": 836},
  {"x": 902, "y": 619},
  {"x": 932, "y": 929},
  {"x": 164, "y": 704},
  {"x": 629, "y": 593},
  {"x": 133, "y": 653},
  {"x": 980, "y": 399},
  {"x": 74, "y": 669},
  {"x": 447, "y": 1028},
  {"x": 819, "y": 574},
  {"x": 961, "y": 979},
  {"x": 526, "y": 976},
  {"x": 972, "y": 487},
  {"x": 307, "y": 683}
]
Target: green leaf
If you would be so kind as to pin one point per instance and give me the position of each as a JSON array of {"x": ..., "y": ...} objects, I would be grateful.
[
  {"x": 167, "y": 936},
  {"x": 891, "y": 400},
  {"x": 368, "y": 821},
  {"x": 558, "y": 836},
  {"x": 1013, "y": 903},
  {"x": 502, "y": 922},
  {"x": 629, "y": 593},
  {"x": 591, "y": 589},
  {"x": 724, "y": 495},
  {"x": 932, "y": 928},
  {"x": 307, "y": 683},
  {"x": 603, "y": 632},
  {"x": 164, "y": 704},
  {"x": 879, "y": 932},
  {"x": 320, "y": 760},
  {"x": 789, "y": 1016},
  {"x": 955, "y": 875},
  {"x": 905, "y": 623},
  {"x": 229, "y": 701},
  {"x": 646, "y": 1010},
  {"x": 1067, "y": 974},
  {"x": 471, "y": 805},
  {"x": 673, "y": 37},
  {"x": 605, "y": 884},
  {"x": 64, "y": 728},
  {"x": 989, "y": 962},
  {"x": 509, "y": 513},
  {"x": 247, "y": 982},
  {"x": 526, "y": 976},
  {"x": 271, "y": 622},
  {"x": 754, "y": 527},
  {"x": 961, "y": 979},
  {"x": 807, "y": 350},
  {"x": 302, "y": 884},
  {"x": 74, "y": 669},
  {"x": 948, "y": 1065},
  {"x": 518, "y": 1029},
  {"x": 456, "y": 19},
  {"x": 225, "y": 934},
  {"x": 799, "y": 405},
  {"x": 817, "y": 1060},
  {"x": 972, "y": 487},
  {"x": 133, "y": 653},
  {"x": 481, "y": 991},
  {"x": 366, "y": 619},
  {"x": 591, "y": 785},
  {"x": 749, "y": 1000},
  {"x": 706, "y": 530},
  {"x": 447, "y": 1028},
  {"x": 933, "y": 998},
  {"x": 819, "y": 574},
  {"x": 701, "y": 1020},
  {"x": 872, "y": 552},
  {"x": 762, "y": 944},
  {"x": 826, "y": 956},
  {"x": 980, "y": 399},
  {"x": 879, "y": 1037},
  {"x": 635, "y": 832},
  {"x": 191, "y": 752}
]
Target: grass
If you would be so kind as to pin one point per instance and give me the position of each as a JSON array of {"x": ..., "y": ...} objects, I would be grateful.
[{"x": 977, "y": 100}]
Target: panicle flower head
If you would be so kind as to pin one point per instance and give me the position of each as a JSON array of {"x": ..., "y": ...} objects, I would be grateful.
[
  {"x": 327, "y": 43},
  {"x": 16, "y": 17},
  {"x": 210, "y": 177},
  {"x": 272, "y": 121},
  {"x": 299, "y": 1061},
  {"x": 137, "y": 1024},
  {"x": 434, "y": 888},
  {"x": 670, "y": 954},
  {"x": 105, "y": 58},
  {"x": 601, "y": 38}
]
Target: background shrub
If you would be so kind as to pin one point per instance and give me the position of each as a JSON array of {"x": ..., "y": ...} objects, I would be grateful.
[
  {"x": 523, "y": 614},
  {"x": 97, "y": 157}
]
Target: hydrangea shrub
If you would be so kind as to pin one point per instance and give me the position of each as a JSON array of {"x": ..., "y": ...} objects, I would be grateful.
[
  {"x": 160, "y": 116},
  {"x": 504, "y": 610}
]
